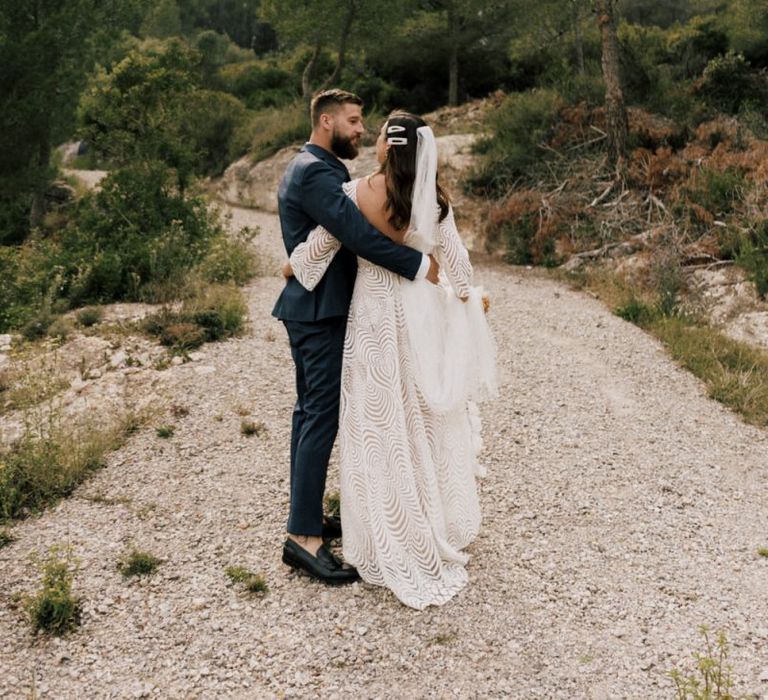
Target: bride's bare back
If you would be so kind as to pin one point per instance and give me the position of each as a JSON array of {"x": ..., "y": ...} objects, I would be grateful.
[{"x": 371, "y": 199}]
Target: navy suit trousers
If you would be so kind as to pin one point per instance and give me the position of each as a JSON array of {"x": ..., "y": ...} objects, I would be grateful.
[{"x": 317, "y": 348}]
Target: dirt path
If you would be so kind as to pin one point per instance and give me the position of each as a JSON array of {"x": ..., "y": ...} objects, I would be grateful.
[{"x": 622, "y": 509}]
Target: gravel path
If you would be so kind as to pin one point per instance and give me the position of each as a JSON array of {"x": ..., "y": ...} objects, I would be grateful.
[{"x": 622, "y": 509}]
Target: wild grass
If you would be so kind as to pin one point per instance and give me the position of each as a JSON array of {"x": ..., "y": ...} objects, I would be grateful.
[
  {"x": 249, "y": 428},
  {"x": 48, "y": 464},
  {"x": 734, "y": 373},
  {"x": 253, "y": 583},
  {"x": 54, "y": 609},
  {"x": 211, "y": 312},
  {"x": 763, "y": 552},
  {"x": 6, "y": 538},
  {"x": 165, "y": 431},
  {"x": 28, "y": 385},
  {"x": 138, "y": 563}
]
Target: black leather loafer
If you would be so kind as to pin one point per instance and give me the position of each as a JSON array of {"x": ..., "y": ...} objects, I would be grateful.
[
  {"x": 323, "y": 566},
  {"x": 331, "y": 527}
]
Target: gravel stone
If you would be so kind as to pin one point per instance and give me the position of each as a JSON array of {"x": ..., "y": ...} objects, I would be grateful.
[{"x": 622, "y": 509}]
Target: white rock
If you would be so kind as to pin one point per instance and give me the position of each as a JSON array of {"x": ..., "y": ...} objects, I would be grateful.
[{"x": 118, "y": 359}]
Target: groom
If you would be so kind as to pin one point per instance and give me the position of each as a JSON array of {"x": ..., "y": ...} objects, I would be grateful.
[{"x": 310, "y": 193}]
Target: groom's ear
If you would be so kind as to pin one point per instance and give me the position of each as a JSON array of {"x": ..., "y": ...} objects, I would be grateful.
[{"x": 326, "y": 121}]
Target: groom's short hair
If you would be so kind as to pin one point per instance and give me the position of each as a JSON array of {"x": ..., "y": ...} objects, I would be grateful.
[{"x": 328, "y": 101}]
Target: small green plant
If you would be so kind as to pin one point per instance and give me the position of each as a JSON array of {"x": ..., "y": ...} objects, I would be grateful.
[
  {"x": 6, "y": 538},
  {"x": 752, "y": 255},
  {"x": 212, "y": 312},
  {"x": 635, "y": 311},
  {"x": 60, "y": 329},
  {"x": 37, "y": 327},
  {"x": 712, "y": 677},
  {"x": 165, "y": 431},
  {"x": 231, "y": 259},
  {"x": 333, "y": 504},
  {"x": 521, "y": 128},
  {"x": 138, "y": 563},
  {"x": 37, "y": 472},
  {"x": 54, "y": 609},
  {"x": 253, "y": 583},
  {"x": 89, "y": 316},
  {"x": 763, "y": 552},
  {"x": 249, "y": 427}
]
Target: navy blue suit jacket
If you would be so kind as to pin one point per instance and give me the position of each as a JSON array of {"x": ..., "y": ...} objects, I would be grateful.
[{"x": 310, "y": 194}]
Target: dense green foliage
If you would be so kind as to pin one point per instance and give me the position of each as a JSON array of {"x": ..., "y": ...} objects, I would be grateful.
[{"x": 165, "y": 93}]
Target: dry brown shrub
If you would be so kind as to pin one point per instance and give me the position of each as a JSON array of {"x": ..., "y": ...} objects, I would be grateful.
[
  {"x": 719, "y": 130},
  {"x": 574, "y": 125},
  {"x": 651, "y": 129},
  {"x": 701, "y": 214},
  {"x": 657, "y": 171}
]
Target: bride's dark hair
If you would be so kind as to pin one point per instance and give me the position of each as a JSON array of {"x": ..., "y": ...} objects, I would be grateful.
[{"x": 399, "y": 171}]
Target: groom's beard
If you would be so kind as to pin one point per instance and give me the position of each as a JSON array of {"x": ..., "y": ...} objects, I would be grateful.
[{"x": 342, "y": 146}]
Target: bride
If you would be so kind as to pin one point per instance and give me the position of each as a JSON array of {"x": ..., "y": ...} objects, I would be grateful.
[{"x": 416, "y": 357}]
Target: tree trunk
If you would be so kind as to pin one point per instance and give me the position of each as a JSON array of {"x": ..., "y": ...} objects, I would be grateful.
[
  {"x": 615, "y": 109},
  {"x": 343, "y": 39},
  {"x": 37, "y": 210},
  {"x": 306, "y": 76},
  {"x": 453, "y": 59}
]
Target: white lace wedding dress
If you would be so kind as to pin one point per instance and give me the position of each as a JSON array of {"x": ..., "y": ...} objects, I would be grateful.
[{"x": 414, "y": 357}]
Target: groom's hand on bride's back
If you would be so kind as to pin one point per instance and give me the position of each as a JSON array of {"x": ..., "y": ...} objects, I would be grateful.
[{"x": 434, "y": 270}]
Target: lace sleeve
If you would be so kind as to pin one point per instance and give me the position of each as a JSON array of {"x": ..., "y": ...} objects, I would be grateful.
[
  {"x": 310, "y": 260},
  {"x": 453, "y": 256}
]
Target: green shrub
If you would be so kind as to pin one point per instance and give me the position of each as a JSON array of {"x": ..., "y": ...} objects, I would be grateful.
[
  {"x": 728, "y": 82},
  {"x": 219, "y": 309},
  {"x": 691, "y": 46},
  {"x": 214, "y": 312},
  {"x": 520, "y": 126},
  {"x": 89, "y": 316},
  {"x": 259, "y": 85},
  {"x": 231, "y": 259},
  {"x": 138, "y": 563},
  {"x": 136, "y": 238},
  {"x": 274, "y": 128},
  {"x": 54, "y": 609},
  {"x": 635, "y": 311},
  {"x": 212, "y": 123},
  {"x": 37, "y": 327},
  {"x": 752, "y": 255},
  {"x": 718, "y": 191},
  {"x": 182, "y": 336}
]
